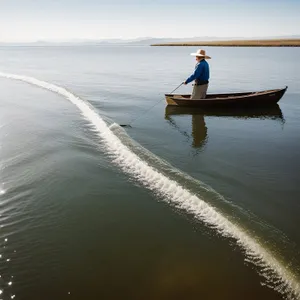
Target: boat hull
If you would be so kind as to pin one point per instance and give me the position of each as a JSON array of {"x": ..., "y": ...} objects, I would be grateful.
[{"x": 261, "y": 98}]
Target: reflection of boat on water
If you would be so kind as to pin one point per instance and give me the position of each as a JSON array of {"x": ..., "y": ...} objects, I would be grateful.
[
  {"x": 199, "y": 129},
  {"x": 270, "y": 112}
]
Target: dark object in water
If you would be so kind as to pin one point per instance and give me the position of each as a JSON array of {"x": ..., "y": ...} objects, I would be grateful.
[
  {"x": 271, "y": 111},
  {"x": 257, "y": 99},
  {"x": 198, "y": 133}
]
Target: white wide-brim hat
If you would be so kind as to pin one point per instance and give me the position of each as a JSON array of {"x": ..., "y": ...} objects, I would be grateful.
[{"x": 201, "y": 53}]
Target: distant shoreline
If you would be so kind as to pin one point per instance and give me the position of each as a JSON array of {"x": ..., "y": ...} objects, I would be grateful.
[{"x": 239, "y": 43}]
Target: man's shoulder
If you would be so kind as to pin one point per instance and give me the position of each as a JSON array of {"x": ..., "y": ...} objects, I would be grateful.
[{"x": 203, "y": 63}]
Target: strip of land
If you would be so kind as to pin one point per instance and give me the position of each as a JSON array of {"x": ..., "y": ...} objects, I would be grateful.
[{"x": 239, "y": 43}]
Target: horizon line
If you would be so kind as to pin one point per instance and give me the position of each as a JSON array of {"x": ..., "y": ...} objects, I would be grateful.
[{"x": 141, "y": 38}]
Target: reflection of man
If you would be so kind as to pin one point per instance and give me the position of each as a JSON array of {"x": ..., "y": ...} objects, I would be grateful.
[
  {"x": 198, "y": 127},
  {"x": 200, "y": 75},
  {"x": 199, "y": 131}
]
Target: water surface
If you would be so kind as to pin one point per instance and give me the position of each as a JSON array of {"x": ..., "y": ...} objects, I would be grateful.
[{"x": 76, "y": 223}]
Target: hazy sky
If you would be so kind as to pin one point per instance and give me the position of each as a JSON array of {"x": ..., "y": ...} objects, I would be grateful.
[{"x": 30, "y": 20}]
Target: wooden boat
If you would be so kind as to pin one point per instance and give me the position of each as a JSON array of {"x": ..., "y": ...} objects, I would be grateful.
[{"x": 261, "y": 98}]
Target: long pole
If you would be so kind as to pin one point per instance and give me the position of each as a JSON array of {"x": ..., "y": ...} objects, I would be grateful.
[
  {"x": 177, "y": 88},
  {"x": 129, "y": 125}
]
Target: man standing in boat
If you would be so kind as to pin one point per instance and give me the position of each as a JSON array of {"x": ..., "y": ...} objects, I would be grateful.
[{"x": 200, "y": 75}]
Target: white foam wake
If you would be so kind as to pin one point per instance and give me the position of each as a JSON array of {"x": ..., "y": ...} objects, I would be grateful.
[{"x": 275, "y": 273}]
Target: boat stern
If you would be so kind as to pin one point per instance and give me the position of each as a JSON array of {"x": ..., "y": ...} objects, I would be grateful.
[{"x": 169, "y": 99}]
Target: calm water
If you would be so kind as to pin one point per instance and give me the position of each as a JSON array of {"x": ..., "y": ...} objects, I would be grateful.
[{"x": 183, "y": 205}]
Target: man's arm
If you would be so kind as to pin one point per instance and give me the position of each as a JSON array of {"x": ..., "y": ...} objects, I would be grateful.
[{"x": 195, "y": 75}]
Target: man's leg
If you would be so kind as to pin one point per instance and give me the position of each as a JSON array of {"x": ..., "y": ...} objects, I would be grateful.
[
  {"x": 203, "y": 90},
  {"x": 199, "y": 92}
]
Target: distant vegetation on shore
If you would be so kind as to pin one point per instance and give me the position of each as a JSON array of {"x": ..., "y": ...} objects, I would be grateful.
[{"x": 239, "y": 43}]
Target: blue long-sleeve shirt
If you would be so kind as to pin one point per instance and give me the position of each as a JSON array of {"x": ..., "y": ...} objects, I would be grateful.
[{"x": 201, "y": 72}]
